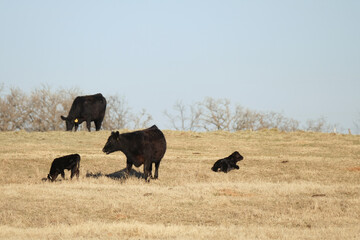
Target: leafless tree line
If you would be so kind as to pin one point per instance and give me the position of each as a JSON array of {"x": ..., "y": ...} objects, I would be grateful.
[
  {"x": 41, "y": 110},
  {"x": 219, "y": 114}
]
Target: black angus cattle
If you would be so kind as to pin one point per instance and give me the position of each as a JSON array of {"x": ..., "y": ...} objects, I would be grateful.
[
  {"x": 69, "y": 162},
  {"x": 86, "y": 108},
  {"x": 146, "y": 147},
  {"x": 228, "y": 163}
]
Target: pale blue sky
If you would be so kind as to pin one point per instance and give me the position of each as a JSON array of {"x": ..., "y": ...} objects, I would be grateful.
[{"x": 300, "y": 58}]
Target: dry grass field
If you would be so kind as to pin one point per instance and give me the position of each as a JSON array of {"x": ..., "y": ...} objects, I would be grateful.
[{"x": 289, "y": 186}]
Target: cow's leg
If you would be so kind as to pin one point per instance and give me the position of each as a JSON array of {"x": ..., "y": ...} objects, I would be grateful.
[
  {"x": 150, "y": 170},
  {"x": 88, "y": 125},
  {"x": 156, "y": 175},
  {"x": 147, "y": 172},
  {"x": 76, "y": 127},
  {"x": 233, "y": 165},
  {"x": 224, "y": 167},
  {"x": 98, "y": 124},
  {"x": 62, "y": 174},
  {"x": 128, "y": 167}
]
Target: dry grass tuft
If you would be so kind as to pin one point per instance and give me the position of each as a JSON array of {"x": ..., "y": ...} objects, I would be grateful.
[{"x": 289, "y": 186}]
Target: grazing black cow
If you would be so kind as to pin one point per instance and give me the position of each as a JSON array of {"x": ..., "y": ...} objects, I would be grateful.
[
  {"x": 146, "y": 147},
  {"x": 69, "y": 162},
  {"x": 86, "y": 108},
  {"x": 228, "y": 163}
]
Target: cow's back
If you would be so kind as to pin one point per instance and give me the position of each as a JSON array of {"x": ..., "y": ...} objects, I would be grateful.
[
  {"x": 92, "y": 106},
  {"x": 155, "y": 140},
  {"x": 65, "y": 162}
]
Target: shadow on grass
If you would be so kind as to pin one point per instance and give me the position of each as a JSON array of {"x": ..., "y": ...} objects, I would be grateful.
[{"x": 119, "y": 175}]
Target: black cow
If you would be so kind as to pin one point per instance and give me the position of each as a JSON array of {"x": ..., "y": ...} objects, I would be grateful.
[
  {"x": 69, "y": 162},
  {"x": 86, "y": 108},
  {"x": 146, "y": 147},
  {"x": 228, "y": 163}
]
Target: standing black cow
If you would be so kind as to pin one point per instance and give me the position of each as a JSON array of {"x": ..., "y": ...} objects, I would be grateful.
[
  {"x": 69, "y": 162},
  {"x": 86, "y": 108},
  {"x": 228, "y": 163},
  {"x": 146, "y": 147}
]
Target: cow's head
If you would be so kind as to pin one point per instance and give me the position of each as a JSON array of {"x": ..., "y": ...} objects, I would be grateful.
[
  {"x": 70, "y": 122},
  {"x": 236, "y": 156},
  {"x": 113, "y": 143},
  {"x": 50, "y": 177}
]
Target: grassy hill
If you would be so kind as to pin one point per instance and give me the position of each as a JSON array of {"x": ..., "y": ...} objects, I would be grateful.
[{"x": 289, "y": 186}]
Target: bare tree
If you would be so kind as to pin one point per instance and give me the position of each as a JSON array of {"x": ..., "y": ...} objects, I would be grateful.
[
  {"x": 271, "y": 120},
  {"x": 38, "y": 112},
  {"x": 245, "y": 119},
  {"x": 290, "y": 125},
  {"x": 216, "y": 114},
  {"x": 187, "y": 118},
  {"x": 13, "y": 111},
  {"x": 141, "y": 120},
  {"x": 318, "y": 125},
  {"x": 194, "y": 118},
  {"x": 220, "y": 114},
  {"x": 117, "y": 113},
  {"x": 45, "y": 109},
  {"x": 119, "y": 116}
]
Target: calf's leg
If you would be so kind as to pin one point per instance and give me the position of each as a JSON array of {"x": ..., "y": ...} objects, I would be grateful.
[
  {"x": 63, "y": 174},
  {"x": 75, "y": 171}
]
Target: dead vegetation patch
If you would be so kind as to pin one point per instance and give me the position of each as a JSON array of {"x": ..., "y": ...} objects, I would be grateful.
[
  {"x": 354, "y": 169},
  {"x": 233, "y": 193}
]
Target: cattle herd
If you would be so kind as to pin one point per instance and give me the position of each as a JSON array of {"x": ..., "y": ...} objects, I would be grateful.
[{"x": 143, "y": 147}]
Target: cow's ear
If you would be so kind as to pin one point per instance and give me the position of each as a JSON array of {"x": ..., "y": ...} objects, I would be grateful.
[
  {"x": 117, "y": 134},
  {"x": 63, "y": 118}
]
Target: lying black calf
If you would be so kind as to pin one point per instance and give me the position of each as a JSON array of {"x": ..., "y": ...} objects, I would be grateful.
[
  {"x": 228, "y": 163},
  {"x": 69, "y": 162}
]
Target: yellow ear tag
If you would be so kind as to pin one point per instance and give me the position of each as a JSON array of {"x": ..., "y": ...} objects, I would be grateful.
[{"x": 76, "y": 120}]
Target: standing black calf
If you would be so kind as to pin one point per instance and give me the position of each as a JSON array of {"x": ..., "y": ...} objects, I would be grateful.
[
  {"x": 69, "y": 162},
  {"x": 228, "y": 163}
]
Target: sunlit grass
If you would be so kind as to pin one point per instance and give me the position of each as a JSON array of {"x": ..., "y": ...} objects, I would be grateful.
[{"x": 289, "y": 186}]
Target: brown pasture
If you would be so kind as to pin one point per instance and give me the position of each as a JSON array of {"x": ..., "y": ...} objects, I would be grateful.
[{"x": 297, "y": 185}]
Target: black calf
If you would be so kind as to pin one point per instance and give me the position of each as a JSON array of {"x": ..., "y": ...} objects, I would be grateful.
[
  {"x": 69, "y": 162},
  {"x": 228, "y": 163}
]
